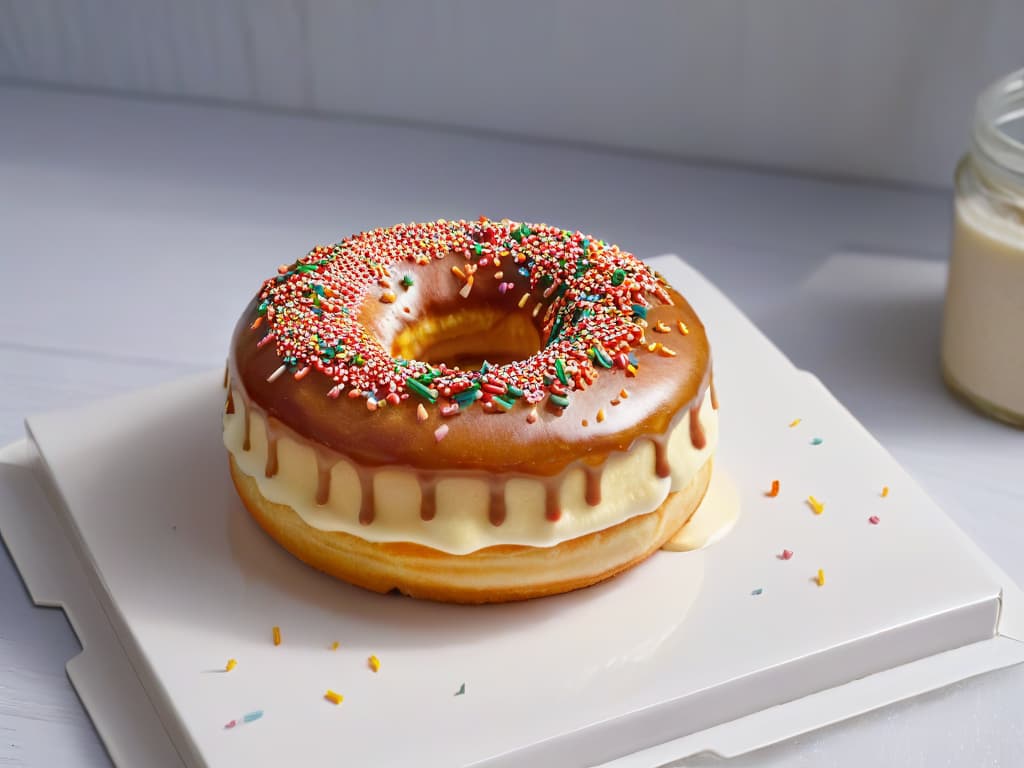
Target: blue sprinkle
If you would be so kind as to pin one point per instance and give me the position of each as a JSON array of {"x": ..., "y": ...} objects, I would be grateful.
[
  {"x": 817, "y": 441},
  {"x": 256, "y": 715},
  {"x": 757, "y": 592},
  {"x": 524, "y": 272}
]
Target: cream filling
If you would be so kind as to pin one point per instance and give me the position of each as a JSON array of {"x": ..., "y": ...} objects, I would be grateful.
[{"x": 629, "y": 487}]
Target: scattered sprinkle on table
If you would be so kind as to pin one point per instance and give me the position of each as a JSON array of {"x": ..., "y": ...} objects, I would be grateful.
[
  {"x": 874, "y": 520},
  {"x": 757, "y": 592},
  {"x": 820, "y": 579},
  {"x": 885, "y": 491},
  {"x": 774, "y": 489},
  {"x": 334, "y": 698},
  {"x": 334, "y": 645},
  {"x": 248, "y": 717},
  {"x": 461, "y": 691},
  {"x": 374, "y": 663},
  {"x": 277, "y": 635},
  {"x": 230, "y": 665},
  {"x": 794, "y": 422},
  {"x": 816, "y": 505},
  {"x": 787, "y": 554},
  {"x": 816, "y": 441}
]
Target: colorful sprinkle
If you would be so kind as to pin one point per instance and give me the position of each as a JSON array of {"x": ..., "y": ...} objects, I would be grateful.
[
  {"x": 794, "y": 422},
  {"x": 461, "y": 691},
  {"x": 334, "y": 698},
  {"x": 816, "y": 505},
  {"x": 660, "y": 327},
  {"x": 684, "y": 328},
  {"x": 334, "y": 645},
  {"x": 757, "y": 592},
  {"x": 885, "y": 491},
  {"x": 820, "y": 579},
  {"x": 816, "y": 441},
  {"x": 774, "y": 489},
  {"x": 232, "y": 663},
  {"x": 421, "y": 413},
  {"x": 440, "y": 433},
  {"x": 277, "y": 635},
  {"x": 248, "y": 717},
  {"x": 874, "y": 520},
  {"x": 596, "y": 299},
  {"x": 374, "y": 663},
  {"x": 600, "y": 415},
  {"x": 787, "y": 554}
]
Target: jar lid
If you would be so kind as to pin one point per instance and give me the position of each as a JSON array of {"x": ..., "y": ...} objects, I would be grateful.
[{"x": 998, "y": 131}]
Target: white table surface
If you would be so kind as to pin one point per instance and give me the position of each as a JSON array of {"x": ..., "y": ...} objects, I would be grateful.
[{"x": 132, "y": 233}]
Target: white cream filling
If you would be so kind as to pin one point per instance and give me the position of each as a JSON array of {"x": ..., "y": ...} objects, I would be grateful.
[{"x": 629, "y": 487}]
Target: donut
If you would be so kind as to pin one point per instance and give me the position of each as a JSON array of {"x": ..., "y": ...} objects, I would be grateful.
[{"x": 470, "y": 411}]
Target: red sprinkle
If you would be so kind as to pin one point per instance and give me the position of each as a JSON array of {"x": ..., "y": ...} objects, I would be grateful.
[
  {"x": 775, "y": 489},
  {"x": 874, "y": 520},
  {"x": 786, "y": 554}
]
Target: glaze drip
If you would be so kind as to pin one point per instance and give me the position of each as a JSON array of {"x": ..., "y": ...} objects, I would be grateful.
[
  {"x": 247, "y": 426},
  {"x": 428, "y": 502},
  {"x": 552, "y": 508},
  {"x": 366, "y": 509},
  {"x": 697, "y": 436},
  {"x": 714, "y": 395},
  {"x": 229, "y": 404},
  {"x": 323, "y": 480},
  {"x": 593, "y": 485},
  {"x": 662, "y": 468},
  {"x": 497, "y": 513},
  {"x": 271, "y": 469}
]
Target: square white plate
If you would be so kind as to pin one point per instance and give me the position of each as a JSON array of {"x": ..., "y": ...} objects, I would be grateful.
[{"x": 674, "y": 649}]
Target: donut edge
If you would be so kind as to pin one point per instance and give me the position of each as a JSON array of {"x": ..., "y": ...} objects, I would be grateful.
[{"x": 429, "y": 574}]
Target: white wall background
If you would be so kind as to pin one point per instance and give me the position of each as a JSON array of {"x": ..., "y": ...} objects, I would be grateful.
[{"x": 873, "y": 88}]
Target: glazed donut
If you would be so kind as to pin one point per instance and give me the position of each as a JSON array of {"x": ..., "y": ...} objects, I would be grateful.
[{"x": 470, "y": 411}]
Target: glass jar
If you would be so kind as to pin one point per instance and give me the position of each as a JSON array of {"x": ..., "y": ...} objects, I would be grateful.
[{"x": 983, "y": 327}]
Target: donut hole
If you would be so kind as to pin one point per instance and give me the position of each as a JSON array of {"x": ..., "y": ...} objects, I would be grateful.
[{"x": 467, "y": 337}]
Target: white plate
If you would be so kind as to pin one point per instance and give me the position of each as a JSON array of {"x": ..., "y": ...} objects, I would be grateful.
[{"x": 675, "y": 648}]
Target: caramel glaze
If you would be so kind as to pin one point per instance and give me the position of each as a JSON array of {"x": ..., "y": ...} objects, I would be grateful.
[{"x": 503, "y": 445}]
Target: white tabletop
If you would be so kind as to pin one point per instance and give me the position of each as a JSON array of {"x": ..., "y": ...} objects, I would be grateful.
[{"x": 132, "y": 233}]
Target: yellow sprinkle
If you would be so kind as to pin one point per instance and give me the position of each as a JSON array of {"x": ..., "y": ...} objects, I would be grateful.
[
  {"x": 464, "y": 291},
  {"x": 499, "y": 274},
  {"x": 334, "y": 645},
  {"x": 662, "y": 328},
  {"x": 374, "y": 663},
  {"x": 794, "y": 422},
  {"x": 624, "y": 393},
  {"x": 821, "y": 577},
  {"x": 421, "y": 413},
  {"x": 458, "y": 273},
  {"x": 230, "y": 665},
  {"x": 334, "y": 698},
  {"x": 277, "y": 635},
  {"x": 816, "y": 505},
  {"x": 683, "y": 329},
  {"x": 631, "y": 370},
  {"x": 522, "y": 301},
  {"x": 665, "y": 351},
  {"x": 536, "y": 309},
  {"x": 600, "y": 415},
  {"x": 885, "y": 491},
  {"x": 387, "y": 297}
]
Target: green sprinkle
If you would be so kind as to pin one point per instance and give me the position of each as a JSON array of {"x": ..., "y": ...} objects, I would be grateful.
[
  {"x": 639, "y": 310},
  {"x": 602, "y": 357},
  {"x": 515, "y": 392},
  {"x": 421, "y": 390},
  {"x": 560, "y": 400},
  {"x": 817, "y": 441},
  {"x": 618, "y": 276},
  {"x": 560, "y": 370},
  {"x": 466, "y": 396},
  {"x": 407, "y": 281},
  {"x": 262, "y": 308},
  {"x": 478, "y": 248},
  {"x": 504, "y": 404}
]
